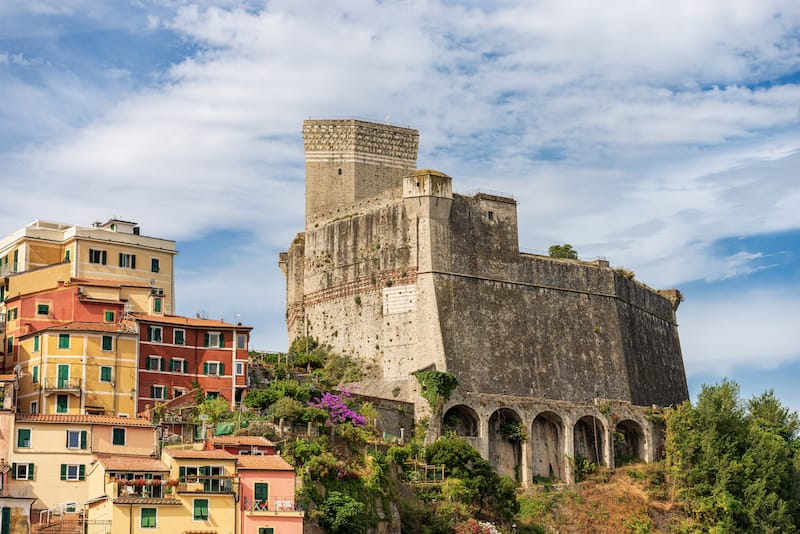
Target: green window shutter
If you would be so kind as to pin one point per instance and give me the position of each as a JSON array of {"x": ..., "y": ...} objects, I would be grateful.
[
  {"x": 154, "y": 265},
  {"x": 24, "y": 438},
  {"x": 149, "y": 333},
  {"x": 83, "y": 439},
  {"x": 205, "y": 368},
  {"x": 152, "y": 392},
  {"x": 30, "y": 471},
  {"x": 157, "y": 305},
  {"x": 121, "y": 255},
  {"x": 164, "y": 393},
  {"x": 221, "y": 369},
  {"x": 181, "y": 473},
  {"x": 63, "y": 471},
  {"x": 67, "y": 438},
  {"x": 185, "y": 366},
  {"x": 163, "y": 364},
  {"x": 261, "y": 492},
  {"x": 66, "y": 255},
  {"x": 14, "y": 471},
  {"x": 63, "y": 341},
  {"x": 35, "y": 373},
  {"x": 109, "y": 316},
  {"x": 103, "y": 257},
  {"x": 108, "y": 343},
  {"x": 133, "y": 261},
  {"x": 221, "y": 340},
  {"x": 81, "y": 472},
  {"x": 206, "y": 339}
]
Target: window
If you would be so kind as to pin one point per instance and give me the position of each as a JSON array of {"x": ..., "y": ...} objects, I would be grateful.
[
  {"x": 214, "y": 339},
  {"x": 36, "y": 342},
  {"x": 108, "y": 343},
  {"x": 10, "y": 345},
  {"x": 63, "y": 341},
  {"x": 97, "y": 256},
  {"x": 118, "y": 436},
  {"x": 67, "y": 254},
  {"x": 266, "y": 530},
  {"x": 211, "y": 395},
  {"x": 34, "y": 406},
  {"x": 261, "y": 495},
  {"x": 241, "y": 341},
  {"x": 105, "y": 373},
  {"x": 76, "y": 439},
  {"x": 155, "y": 265},
  {"x": 108, "y": 316},
  {"x": 155, "y": 363},
  {"x": 12, "y": 314},
  {"x": 154, "y": 333},
  {"x": 147, "y": 518},
  {"x": 239, "y": 368},
  {"x": 201, "y": 509},
  {"x": 157, "y": 305},
  {"x": 73, "y": 472},
  {"x": 179, "y": 337},
  {"x": 23, "y": 438},
  {"x": 178, "y": 365},
  {"x": 158, "y": 392},
  {"x": 214, "y": 368},
  {"x": 62, "y": 404},
  {"x": 177, "y": 392},
  {"x": 35, "y": 374},
  {"x": 127, "y": 261},
  {"x": 22, "y": 471},
  {"x": 42, "y": 309}
]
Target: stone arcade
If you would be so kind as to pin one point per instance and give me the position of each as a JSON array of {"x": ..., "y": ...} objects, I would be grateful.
[{"x": 398, "y": 271}]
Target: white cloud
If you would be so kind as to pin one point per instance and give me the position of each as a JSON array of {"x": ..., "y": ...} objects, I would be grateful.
[{"x": 751, "y": 328}]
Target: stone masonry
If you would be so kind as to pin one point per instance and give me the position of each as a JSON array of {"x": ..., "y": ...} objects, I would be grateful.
[{"x": 396, "y": 270}]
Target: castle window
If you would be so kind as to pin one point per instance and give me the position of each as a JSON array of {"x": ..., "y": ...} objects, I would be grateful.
[
  {"x": 340, "y": 171},
  {"x": 491, "y": 215}
]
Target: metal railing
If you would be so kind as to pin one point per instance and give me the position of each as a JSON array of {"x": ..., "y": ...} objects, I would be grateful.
[
  {"x": 206, "y": 484},
  {"x": 273, "y": 504},
  {"x": 62, "y": 384}
]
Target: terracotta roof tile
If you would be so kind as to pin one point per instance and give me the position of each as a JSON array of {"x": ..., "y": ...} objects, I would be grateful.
[
  {"x": 271, "y": 463},
  {"x": 90, "y": 327},
  {"x": 241, "y": 440},
  {"x": 85, "y": 419},
  {"x": 187, "y": 321},
  {"x": 189, "y": 453},
  {"x": 132, "y": 463},
  {"x": 147, "y": 500}
]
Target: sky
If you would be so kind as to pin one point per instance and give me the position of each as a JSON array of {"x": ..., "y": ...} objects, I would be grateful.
[{"x": 662, "y": 135}]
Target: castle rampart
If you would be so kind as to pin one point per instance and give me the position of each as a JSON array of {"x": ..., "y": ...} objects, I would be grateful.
[{"x": 406, "y": 275}]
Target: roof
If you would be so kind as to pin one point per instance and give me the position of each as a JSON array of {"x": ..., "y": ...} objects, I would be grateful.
[
  {"x": 188, "y": 321},
  {"x": 147, "y": 500},
  {"x": 271, "y": 463},
  {"x": 241, "y": 440},
  {"x": 84, "y": 419},
  {"x": 200, "y": 455},
  {"x": 132, "y": 463},
  {"x": 107, "y": 283},
  {"x": 88, "y": 327},
  {"x": 7, "y": 378}
]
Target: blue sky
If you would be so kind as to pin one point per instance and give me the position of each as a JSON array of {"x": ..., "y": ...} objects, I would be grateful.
[{"x": 662, "y": 135}]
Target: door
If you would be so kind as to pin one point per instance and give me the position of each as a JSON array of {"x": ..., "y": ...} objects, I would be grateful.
[{"x": 63, "y": 376}]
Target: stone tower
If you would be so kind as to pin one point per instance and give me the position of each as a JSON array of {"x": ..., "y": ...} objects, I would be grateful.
[{"x": 351, "y": 160}]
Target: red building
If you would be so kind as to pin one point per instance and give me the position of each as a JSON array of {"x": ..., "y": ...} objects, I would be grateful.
[{"x": 178, "y": 354}]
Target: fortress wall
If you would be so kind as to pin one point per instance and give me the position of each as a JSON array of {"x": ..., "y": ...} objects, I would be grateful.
[
  {"x": 504, "y": 338},
  {"x": 653, "y": 358}
]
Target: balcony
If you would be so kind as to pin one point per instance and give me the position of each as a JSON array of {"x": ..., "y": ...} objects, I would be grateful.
[
  {"x": 62, "y": 385},
  {"x": 273, "y": 506},
  {"x": 206, "y": 484}
]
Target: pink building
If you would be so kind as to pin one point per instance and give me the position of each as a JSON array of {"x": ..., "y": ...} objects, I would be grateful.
[{"x": 266, "y": 486}]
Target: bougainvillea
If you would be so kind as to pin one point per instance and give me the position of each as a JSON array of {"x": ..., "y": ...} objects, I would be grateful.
[{"x": 337, "y": 408}]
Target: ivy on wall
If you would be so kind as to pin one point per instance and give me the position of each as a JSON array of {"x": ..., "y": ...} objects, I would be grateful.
[{"x": 436, "y": 386}]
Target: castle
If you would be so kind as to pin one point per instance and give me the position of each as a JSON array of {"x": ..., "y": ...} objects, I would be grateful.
[{"x": 398, "y": 271}]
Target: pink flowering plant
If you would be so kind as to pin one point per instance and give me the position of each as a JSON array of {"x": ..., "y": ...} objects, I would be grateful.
[{"x": 338, "y": 409}]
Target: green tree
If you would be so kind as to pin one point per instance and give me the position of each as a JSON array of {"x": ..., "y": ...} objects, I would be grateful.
[
  {"x": 734, "y": 463},
  {"x": 563, "y": 251},
  {"x": 341, "y": 513},
  {"x": 216, "y": 409}
]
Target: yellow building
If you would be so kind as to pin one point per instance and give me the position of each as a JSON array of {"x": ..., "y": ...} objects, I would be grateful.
[
  {"x": 79, "y": 368},
  {"x": 51, "y": 455},
  {"x": 185, "y": 491},
  {"x": 114, "y": 250}
]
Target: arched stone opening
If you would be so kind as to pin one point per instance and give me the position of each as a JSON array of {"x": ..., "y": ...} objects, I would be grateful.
[
  {"x": 462, "y": 420},
  {"x": 628, "y": 442},
  {"x": 506, "y": 434},
  {"x": 547, "y": 446},
  {"x": 589, "y": 442}
]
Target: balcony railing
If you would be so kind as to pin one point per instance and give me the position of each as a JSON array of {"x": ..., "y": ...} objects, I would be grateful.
[
  {"x": 206, "y": 484},
  {"x": 273, "y": 504},
  {"x": 69, "y": 385}
]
